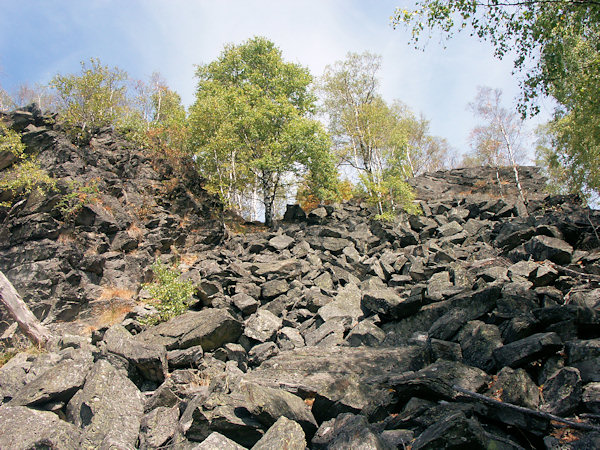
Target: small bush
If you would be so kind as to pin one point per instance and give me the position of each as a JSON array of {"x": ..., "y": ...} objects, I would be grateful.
[
  {"x": 171, "y": 294},
  {"x": 77, "y": 196}
]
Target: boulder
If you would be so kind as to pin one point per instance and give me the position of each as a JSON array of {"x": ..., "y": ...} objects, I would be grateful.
[
  {"x": 22, "y": 428},
  {"x": 158, "y": 426},
  {"x": 562, "y": 392},
  {"x": 217, "y": 441},
  {"x": 209, "y": 328},
  {"x": 262, "y": 325},
  {"x": 546, "y": 247},
  {"x": 523, "y": 351},
  {"x": 283, "y": 434},
  {"x": 388, "y": 303},
  {"x": 453, "y": 431},
  {"x": 347, "y": 431},
  {"x": 108, "y": 408}
]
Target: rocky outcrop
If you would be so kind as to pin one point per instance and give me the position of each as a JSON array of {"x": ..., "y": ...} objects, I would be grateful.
[{"x": 475, "y": 324}]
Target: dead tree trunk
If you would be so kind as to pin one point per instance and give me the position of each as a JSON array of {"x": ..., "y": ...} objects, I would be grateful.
[{"x": 18, "y": 310}]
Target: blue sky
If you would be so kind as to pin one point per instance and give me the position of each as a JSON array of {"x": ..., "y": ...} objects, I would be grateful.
[{"x": 39, "y": 39}]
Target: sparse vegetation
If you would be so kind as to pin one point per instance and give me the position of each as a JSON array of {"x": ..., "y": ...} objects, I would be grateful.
[{"x": 170, "y": 294}]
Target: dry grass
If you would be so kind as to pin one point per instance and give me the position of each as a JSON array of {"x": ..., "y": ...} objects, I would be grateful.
[
  {"x": 111, "y": 292},
  {"x": 134, "y": 231},
  {"x": 113, "y": 314},
  {"x": 189, "y": 258},
  {"x": 66, "y": 237}
]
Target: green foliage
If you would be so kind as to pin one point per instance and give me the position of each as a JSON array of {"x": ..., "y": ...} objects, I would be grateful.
[
  {"x": 92, "y": 99},
  {"x": 555, "y": 44},
  {"x": 78, "y": 195},
  {"x": 25, "y": 176},
  {"x": 251, "y": 125},
  {"x": 171, "y": 294}
]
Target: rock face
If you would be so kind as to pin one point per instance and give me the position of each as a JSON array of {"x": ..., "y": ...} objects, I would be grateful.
[{"x": 333, "y": 330}]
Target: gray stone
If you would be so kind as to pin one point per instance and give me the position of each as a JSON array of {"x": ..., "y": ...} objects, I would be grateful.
[
  {"x": 329, "y": 334},
  {"x": 450, "y": 229},
  {"x": 283, "y": 434},
  {"x": 267, "y": 405},
  {"x": 262, "y": 325},
  {"x": 453, "y": 431},
  {"x": 108, "y": 409},
  {"x": 149, "y": 359},
  {"x": 216, "y": 441},
  {"x": 365, "y": 333},
  {"x": 261, "y": 352},
  {"x": 281, "y": 242},
  {"x": 245, "y": 303},
  {"x": 347, "y": 303},
  {"x": 209, "y": 328},
  {"x": 591, "y": 397},
  {"x": 188, "y": 357},
  {"x": 56, "y": 384},
  {"x": 274, "y": 288},
  {"x": 22, "y": 428},
  {"x": 347, "y": 431},
  {"x": 289, "y": 338},
  {"x": 515, "y": 386},
  {"x": 158, "y": 426}
]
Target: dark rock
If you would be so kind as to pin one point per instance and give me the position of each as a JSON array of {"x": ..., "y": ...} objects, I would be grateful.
[
  {"x": 245, "y": 303},
  {"x": 454, "y": 431},
  {"x": 389, "y": 303},
  {"x": 317, "y": 216},
  {"x": 526, "y": 350},
  {"x": 283, "y": 434},
  {"x": 209, "y": 328},
  {"x": 478, "y": 341},
  {"x": 274, "y": 288},
  {"x": 591, "y": 397},
  {"x": 25, "y": 428},
  {"x": 262, "y": 352},
  {"x": 188, "y": 357},
  {"x": 294, "y": 213},
  {"x": 108, "y": 409},
  {"x": 545, "y": 247},
  {"x": 439, "y": 349},
  {"x": 516, "y": 387},
  {"x": 585, "y": 356},
  {"x": 562, "y": 392},
  {"x": 267, "y": 405},
  {"x": 347, "y": 431}
]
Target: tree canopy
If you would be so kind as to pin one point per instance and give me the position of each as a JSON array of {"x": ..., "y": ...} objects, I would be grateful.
[
  {"x": 251, "y": 125},
  {"x": 555, "y": 48}
]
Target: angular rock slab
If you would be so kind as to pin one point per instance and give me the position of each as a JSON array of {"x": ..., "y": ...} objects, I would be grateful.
[
  {"x": 262, "y": 325},
  {"x": 209, "y": 328},
  {"x": 108, "y": 409},
  {"x": 56, "y": 384},
  {"x": 335, "y": 377},
  {"x": 268, "y": 404},
  {"x": 25, "y": 428},
  {"x": 521, "y": 352},
  {"x": 284, "y": 434},
  {"x": 347, "y": 431},
  {"x": 218, "y": 441}
]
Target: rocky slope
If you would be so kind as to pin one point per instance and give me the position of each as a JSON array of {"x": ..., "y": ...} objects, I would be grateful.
[{"x": 476, "y": 324}]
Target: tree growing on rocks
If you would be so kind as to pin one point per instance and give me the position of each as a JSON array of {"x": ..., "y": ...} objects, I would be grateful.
[
  {"x": 94, "y": 98},
  {"x": 251, "y": 125},
  {"x": 496, "y": 141}
]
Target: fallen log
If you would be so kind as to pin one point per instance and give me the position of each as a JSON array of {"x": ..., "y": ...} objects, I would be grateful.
[
  {"x": 528, "y": 411},
  {"x": 18, "y": 310}
]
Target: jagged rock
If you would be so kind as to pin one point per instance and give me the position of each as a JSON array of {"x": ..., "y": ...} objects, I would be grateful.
[
  {"x": 225, "y": 414},
  {"x": 365, "y": 333},
  {"x": 245, "y": 303},
  {"x": 454, "y": 431},
  {"x": 515, "y": 386},
  {"x": 585, "y": 356},
  {"x": 289, "y": 338},
  {"x": 281, "y": 242},
  {"x": 562, "y": 392},
  {"x": 529, "y": 349},
  {"x": 294, "y": 213},
  {"x": 440, "y": 349},
  {"x": 233, "y": 352},
  {"x": 262, "y": 325},
  {"x": 209, "y": 328},
  {"x": 347, "y": 303},
  {"x": 25, "y": 428},
  {"x": 389, "y": 303},
  {"x": 218, "y": 441},
  {"x": 188, "y": 357},
  {"x": 267, "y": 405},
  {"x": 274, "y": 288},
  {"x": 262, "y": 352},
  {"x": 478, "y": 340},
  {"x": 591, "y": 397},
  {"x": 315, "y": 369},
  {"x": 108, "y": 408},
  {"x": 347, "y": 431},
  {"x": 329, "y": 334},
  {"x": 546, "y": 247},
  {"x": 56, "y": 384},
  {"x": 149, "y": 359},
  {"x": 284, "y": 433},
  {"x": 158, "y": 426}
]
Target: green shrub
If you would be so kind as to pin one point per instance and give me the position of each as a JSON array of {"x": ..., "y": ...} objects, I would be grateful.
[
  {"x": 171, "y": 294},
  {"x": 78, "y": 195}
]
